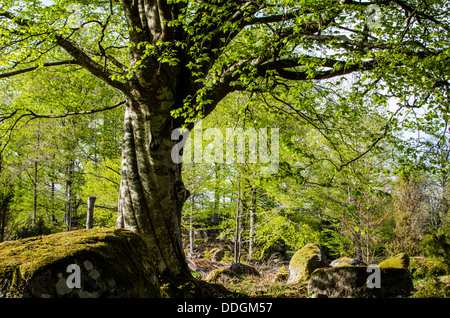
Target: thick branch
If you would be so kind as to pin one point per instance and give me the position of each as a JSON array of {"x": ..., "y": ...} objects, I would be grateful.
[
  {"x": 320, "y": 75},
  {"x": 83, "y": 112},
  {"x": 76, "y": 51},
  {"x": 274, "y": 18},
  {"x": 29, "y": 69}
]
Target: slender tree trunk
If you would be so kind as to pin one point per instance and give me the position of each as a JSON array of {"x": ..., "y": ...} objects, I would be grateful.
[
  {"x": 151, "y": 191},
  {"x": 237, "y": 236},
  {"x": 69, "y": 195},
  {"x": 216, "y": 216},
  {"x": 35, "y": 181},
  {"x": 191, "y": 234},
  {"x": 68, "y": 204},
  {"x": 191, "y": 217},
  {"x": 252, "y": 225},
  {"x": 90, "y": 212},
  {"x": 52, "y": 216},
  {"x": 35, "y": 192},
  {"x": 3, "y": 223},
  {"x": 191, "y": 225},
  {"x": 358, "y": 246}
]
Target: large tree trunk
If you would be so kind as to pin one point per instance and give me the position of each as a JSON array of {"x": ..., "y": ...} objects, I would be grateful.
[{"x": 151, "y": 191}]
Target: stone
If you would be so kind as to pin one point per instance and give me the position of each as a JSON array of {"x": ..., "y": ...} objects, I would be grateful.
[
  {"x": 352, "y": 282},
  {"x": 343, "y": 261},
  {"x": 218, "y": 273},
  {"x": 217, "y": 254},
  {"x": 281, "y": 276},
  {"x": 243, "y": 269},
  {"x": 234, "y": 270},
  {"x": 304, "y": 262},
  {"x": 84, "y": 263},
  {"x": 400, "y": 260}
]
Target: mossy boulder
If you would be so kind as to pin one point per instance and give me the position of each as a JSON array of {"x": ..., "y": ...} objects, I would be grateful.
[
  {"x": 219, "y": 273},
  {"x": 281, "y": 276},
  {"x": 304, "y": 262},
  {"x": 218, "y": 253},
  {"x": 110, "y": 262},
  {"x": 400, "y": 260},
  {"x": 347, "y": 261},
  {"x": 234, "y": 270},
  {"x": 243, "y": 269},
  {"x": 352, "y": 282}
]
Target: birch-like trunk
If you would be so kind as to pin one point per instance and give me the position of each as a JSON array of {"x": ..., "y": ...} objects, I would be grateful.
[{"x": 151, "y": 191}]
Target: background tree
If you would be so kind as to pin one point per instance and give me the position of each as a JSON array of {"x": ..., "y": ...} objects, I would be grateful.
[
  {"x": 6, "y": 198},
  {"x": 68, "y": 148}
]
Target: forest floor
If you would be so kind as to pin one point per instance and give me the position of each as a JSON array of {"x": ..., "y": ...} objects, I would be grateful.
[
  {"x": 266, "y": 285},
  {"x": 270, "y": 285}
]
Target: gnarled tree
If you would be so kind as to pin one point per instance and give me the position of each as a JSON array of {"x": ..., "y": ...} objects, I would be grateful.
[{"x": 175, "y": 60}]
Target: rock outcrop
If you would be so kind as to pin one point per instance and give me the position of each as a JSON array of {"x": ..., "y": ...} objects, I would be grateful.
[
  {"x": 83, "y": 263},
  {"x": 353, "y": 281},
  {"x": 304, "y": 262}
]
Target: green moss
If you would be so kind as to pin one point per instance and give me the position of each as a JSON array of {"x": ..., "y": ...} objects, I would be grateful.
[
  {"x": 281, "y": 276},
  {"x": 344, "y": 259},
  {"x": 304, "y": 254},
  {"x": 304, "y": 262},
  {"x": 117, "y": 251},
  {"x": 218, "y": 273},
  {"x": 318, "y": 272},
  {"x": 400, "y": 260}
]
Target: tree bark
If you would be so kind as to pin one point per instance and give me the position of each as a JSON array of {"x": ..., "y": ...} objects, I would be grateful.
[
  {"x": 151, "y": 191},
  {"x": 90, "y": 212}
]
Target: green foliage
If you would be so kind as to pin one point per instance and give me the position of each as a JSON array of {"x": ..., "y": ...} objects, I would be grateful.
[
  {"x": 279, "y": 230},
  {"x": 6, "y": 199},
  {"x": 102, "y": 181},
  {"x": 40, "y": 228},
  {"x": 51, "y": 160},
  {"x": 432, "y": 287},
  {"x": 437, "y": 245}
]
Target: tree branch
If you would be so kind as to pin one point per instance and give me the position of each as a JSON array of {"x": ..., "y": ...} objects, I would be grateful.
[
  {"x": 84, "y": 112},
  {"x": 274, "y": 18},
  {"x": 32, "y": 68},
  {"x": 321, "y": 75},
  {"x": 75, "y": 50}
]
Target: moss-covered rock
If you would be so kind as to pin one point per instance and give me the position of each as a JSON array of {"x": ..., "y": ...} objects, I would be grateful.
[
  {"x": 400, "y": 260},
  {"x": 234, "y": 270},
  {"x": 111, "y": 263},
  {"x": 243, "y": 269},
  {"x": 281, "y": 276},
  {"x": 347, "y": 261},
  {"x": 218, "y": 253},
  {"x": 216, "y": 274},
  {"x": 304, "y": 262},
  {"x": 352, "y": 281}
]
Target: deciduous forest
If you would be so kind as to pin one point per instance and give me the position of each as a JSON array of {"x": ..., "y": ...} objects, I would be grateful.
[{"x": 348, "y": 100}]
